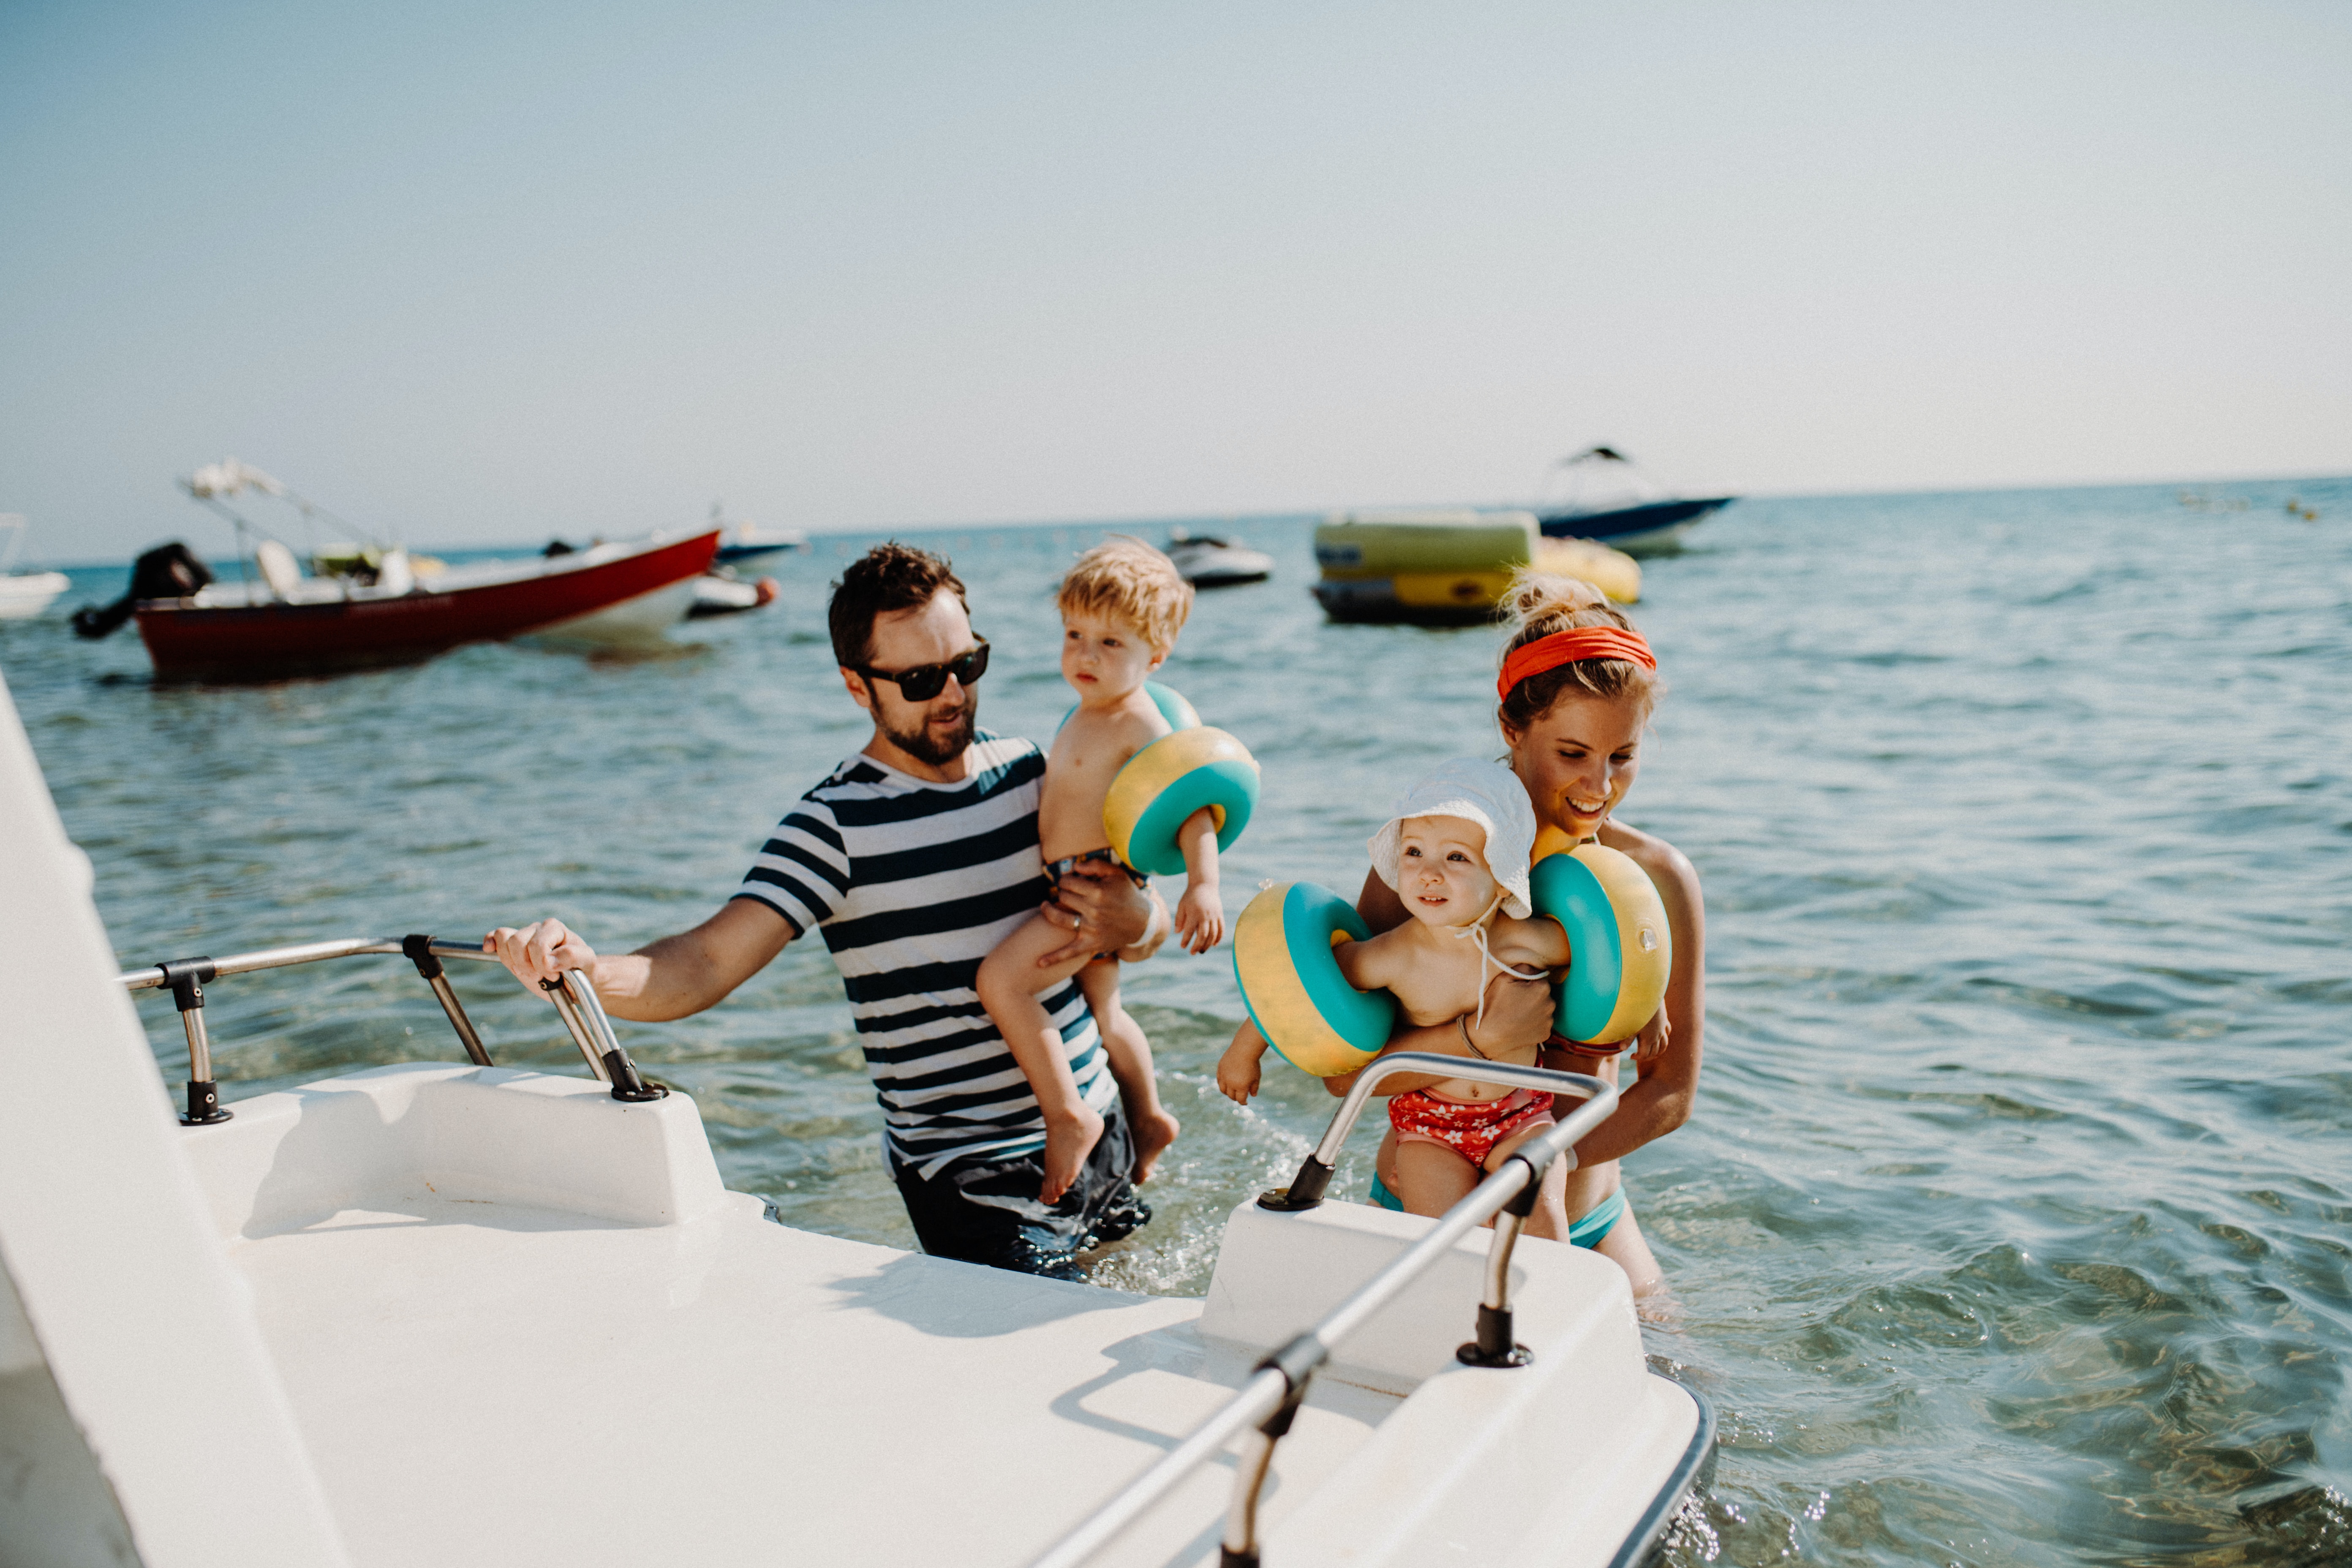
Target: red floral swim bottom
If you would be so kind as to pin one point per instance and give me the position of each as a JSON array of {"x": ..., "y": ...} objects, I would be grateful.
[{"x": 1470, "y": 1128}]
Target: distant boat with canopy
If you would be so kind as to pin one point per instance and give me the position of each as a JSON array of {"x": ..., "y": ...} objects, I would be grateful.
[
  {"x": 375, "y": 605},
  {"x": 1609, "y": 500}
]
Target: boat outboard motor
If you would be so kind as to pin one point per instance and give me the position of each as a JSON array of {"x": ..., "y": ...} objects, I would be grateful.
[{"x": 167, "y": 572}]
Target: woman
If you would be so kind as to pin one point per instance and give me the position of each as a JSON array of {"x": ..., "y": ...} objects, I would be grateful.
[{"x": 1573, "y": 711}]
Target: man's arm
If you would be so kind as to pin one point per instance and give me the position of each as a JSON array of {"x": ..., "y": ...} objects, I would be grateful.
[{"x": 666, "y": 979}]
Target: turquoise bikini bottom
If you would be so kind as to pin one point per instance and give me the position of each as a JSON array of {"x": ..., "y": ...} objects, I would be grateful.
[{"x": 1590, "y": 1231}]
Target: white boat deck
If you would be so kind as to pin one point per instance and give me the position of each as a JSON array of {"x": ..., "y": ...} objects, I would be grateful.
[
  {"x": 492, "y": 1385},
  {"x": 520, "y": 1322},
  {"x": 453, "y": 1315},
  {"x": 482, "y": 1380}
]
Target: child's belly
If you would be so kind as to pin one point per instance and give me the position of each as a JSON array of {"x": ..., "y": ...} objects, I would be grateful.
[
  {"x": 1468, "y": 1093},
  {"x": 1069, "y": 821}
]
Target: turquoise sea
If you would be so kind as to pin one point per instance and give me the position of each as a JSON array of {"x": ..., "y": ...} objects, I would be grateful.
[{"x": 2012, "y": 1226}]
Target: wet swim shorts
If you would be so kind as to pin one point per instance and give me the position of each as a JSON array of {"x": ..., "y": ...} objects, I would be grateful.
[{"x": 988, "y": 1212}]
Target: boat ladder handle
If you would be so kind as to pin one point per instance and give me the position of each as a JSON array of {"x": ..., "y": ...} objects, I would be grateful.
[
  {"x": 184, "y": 978},
  {"x": 1307, "y": 1188},
  {"x": 592, "y": 1031}
]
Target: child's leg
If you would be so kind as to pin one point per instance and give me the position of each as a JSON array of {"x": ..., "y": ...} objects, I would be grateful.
[
  {"x": 1550, "y": 1216},
  {"x": 1009, "y": 983},
  {"x": 1130, "y": 1063},
  {"x": 1430, "y": 1177}
]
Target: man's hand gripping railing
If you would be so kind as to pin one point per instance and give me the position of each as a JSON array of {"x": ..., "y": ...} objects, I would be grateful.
[
  {"x": 1270, "y": 1399},
  {"x": 575, "y": 999}
]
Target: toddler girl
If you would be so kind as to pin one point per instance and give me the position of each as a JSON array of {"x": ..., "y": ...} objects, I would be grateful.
[{"x": 1456, "y": 853}]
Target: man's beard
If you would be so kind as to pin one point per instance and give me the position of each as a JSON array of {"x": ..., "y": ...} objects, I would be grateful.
[{"x": 938, "y": 748}]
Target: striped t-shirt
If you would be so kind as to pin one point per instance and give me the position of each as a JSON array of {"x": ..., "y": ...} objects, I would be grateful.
[{"x": 913, "y": 883}]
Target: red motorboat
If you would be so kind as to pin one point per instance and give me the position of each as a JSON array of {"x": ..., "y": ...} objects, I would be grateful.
[{"x": 196, "y": 628}]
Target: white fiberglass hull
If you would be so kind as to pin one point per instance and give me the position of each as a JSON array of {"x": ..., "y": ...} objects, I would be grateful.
[
  {"x": 24, "y": 596},
  {"x": 462, "y": 1315}
]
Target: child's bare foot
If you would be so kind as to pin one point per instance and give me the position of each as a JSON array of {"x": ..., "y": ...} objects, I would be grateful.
[
  {"x": 1069, "y": 1139},
  {"x": 1153, "y": 1130}
]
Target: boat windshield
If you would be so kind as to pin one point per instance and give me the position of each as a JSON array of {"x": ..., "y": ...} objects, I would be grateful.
[{"x": 1599, "y": 479}]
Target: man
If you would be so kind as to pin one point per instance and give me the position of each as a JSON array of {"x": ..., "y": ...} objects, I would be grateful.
[{"x": 915, "y": 858}]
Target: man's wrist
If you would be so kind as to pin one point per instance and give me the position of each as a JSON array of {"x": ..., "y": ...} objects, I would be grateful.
[{"x": 1153, "y": 932}]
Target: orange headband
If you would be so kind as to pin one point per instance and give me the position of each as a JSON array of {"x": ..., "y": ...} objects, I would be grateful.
[{"x": 1567, "y": 647}]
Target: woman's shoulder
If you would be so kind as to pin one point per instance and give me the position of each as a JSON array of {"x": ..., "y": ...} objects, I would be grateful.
[{"x": 1668, "y": 867}]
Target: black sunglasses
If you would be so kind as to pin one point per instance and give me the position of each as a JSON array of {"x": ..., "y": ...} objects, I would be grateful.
[{"x": 925, "y": 682}]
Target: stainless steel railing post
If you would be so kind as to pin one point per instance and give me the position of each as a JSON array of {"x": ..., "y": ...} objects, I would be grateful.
[
  {"x": 1240, "y": 1548},
  {"x": 419, "y": 948},
  {"x": 575, "y": 999},
  {"x": 1494, "y": 1346},
  {"x": 1507, "y": 1196},
  {"x": 568, "y": 1009},
  {"x": 186, "y": 978},
  {"x": 583, "y": 1015}
]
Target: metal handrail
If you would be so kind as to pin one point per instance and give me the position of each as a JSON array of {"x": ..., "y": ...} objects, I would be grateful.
[
  {"x": 573, "y": 995},
  {"x": 154, "y": 976},
  {"x": 1271, "y": 1396}
]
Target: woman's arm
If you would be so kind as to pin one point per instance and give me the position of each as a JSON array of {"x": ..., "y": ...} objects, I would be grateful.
[{"x": 1662, "y": 1100}]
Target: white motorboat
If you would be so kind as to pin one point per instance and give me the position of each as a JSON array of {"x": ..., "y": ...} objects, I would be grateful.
[
  {"x": 24, "y": 594},
  {"x": 721, "y": 592},
  {"x": 1206, "y": 560},
  {"x": 746, "y": 547},
  {"x": 454, "y": 1314},
  {"x": 1609, "y": 501}
]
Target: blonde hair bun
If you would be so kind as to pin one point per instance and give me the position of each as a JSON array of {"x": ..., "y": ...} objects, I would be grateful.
[
  {"x": 1536, "y": 595},
  {"x": 1539, "y": 604}
]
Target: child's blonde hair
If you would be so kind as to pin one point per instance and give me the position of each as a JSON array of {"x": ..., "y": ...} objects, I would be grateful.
[
  {"x": 1539, "y": 604},
  {"x": 1125, "y": 577}
]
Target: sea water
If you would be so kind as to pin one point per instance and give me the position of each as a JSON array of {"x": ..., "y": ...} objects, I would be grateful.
[{"x": 2011, "y": 1222}]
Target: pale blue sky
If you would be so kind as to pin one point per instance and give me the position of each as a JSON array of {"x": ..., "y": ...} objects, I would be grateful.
[{"x": 489, "y": 273}]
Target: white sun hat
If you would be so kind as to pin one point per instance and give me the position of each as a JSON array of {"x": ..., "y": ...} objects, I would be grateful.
[{"x": 1475, "y": 790}]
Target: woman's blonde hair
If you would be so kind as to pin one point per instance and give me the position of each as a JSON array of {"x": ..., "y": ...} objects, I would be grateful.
[
  {"x": 1125, "y": 577},
  {"x": 1540, "y": 604}
]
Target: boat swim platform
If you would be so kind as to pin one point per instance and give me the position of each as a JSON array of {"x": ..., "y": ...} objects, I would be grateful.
[{"x": 518, "y": 1322}]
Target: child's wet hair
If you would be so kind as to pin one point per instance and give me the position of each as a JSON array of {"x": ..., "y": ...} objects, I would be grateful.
[
  {"x": 1125, "y": 577},
  {"x": 1540, "y": 604}
]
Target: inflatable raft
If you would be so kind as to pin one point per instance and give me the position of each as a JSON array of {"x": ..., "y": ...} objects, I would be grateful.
[{"x": 1449, "y": 568}]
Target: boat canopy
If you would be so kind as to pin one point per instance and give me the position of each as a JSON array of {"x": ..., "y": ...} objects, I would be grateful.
[
  {"x": 1599, "y": 479},
  {"x": 227, "y": 477}
]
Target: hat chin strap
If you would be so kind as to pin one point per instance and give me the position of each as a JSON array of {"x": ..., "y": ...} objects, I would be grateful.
[{"x": 1476, "y": 931}]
